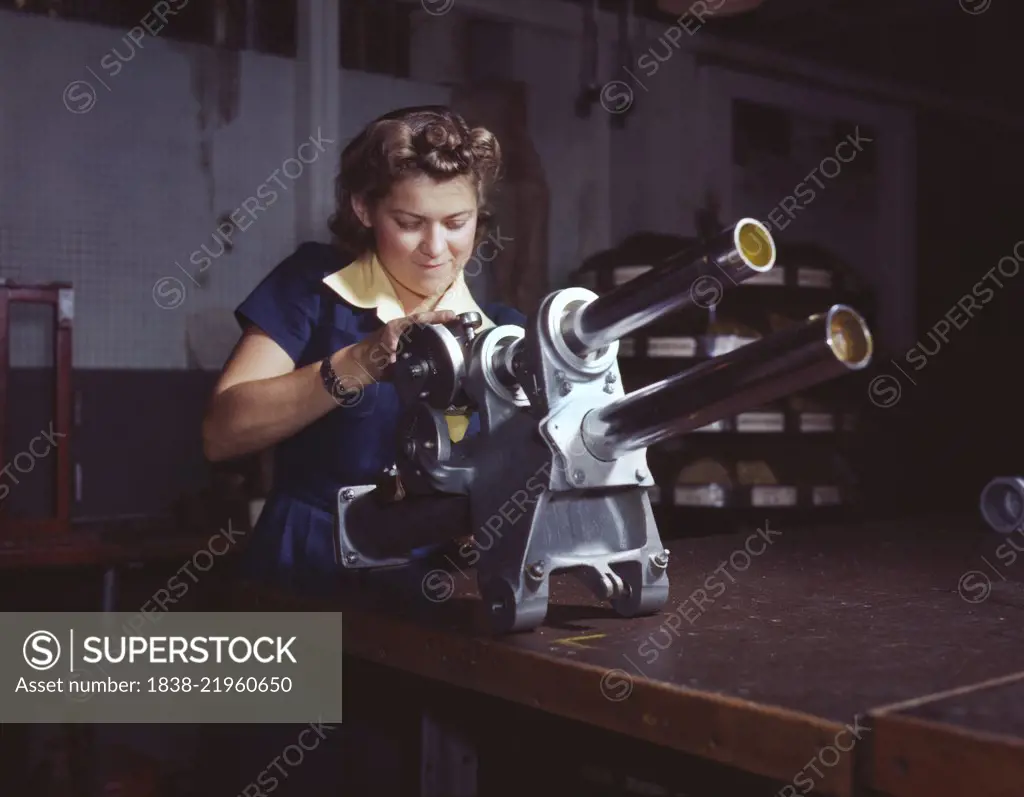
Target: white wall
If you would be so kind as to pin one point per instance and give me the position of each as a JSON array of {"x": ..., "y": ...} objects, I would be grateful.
[
  {"x": 656, "y": 159},
  {"x": 111, "y": 198},
  {"x": 574, "y": 151}
]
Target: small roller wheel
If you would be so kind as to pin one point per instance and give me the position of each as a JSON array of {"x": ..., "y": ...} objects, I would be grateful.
[
  {"x": 648, "y": 599},
  {"x": 503, "y": 615}
]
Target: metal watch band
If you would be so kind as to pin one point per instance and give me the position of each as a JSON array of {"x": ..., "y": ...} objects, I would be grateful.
[{"x": 331, "y": 381}]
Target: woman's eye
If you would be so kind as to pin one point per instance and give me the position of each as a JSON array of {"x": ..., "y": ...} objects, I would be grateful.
[{"x": 410, "y": 226}]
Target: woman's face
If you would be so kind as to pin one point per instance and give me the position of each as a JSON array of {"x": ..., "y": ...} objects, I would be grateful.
[{"x": 424, "y": 231}]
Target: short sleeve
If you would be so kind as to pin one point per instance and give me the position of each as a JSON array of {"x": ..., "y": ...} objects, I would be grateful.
[{"x": 286, "y": 303}]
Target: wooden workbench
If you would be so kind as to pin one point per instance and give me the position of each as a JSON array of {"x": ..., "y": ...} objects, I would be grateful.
[
  {"x": 114, "y": 565},
  {"x": 110, "y": 546},
  {"x": 787, "y": 655},
  {"x": 109, "y": 542},
  {"x": 966, "y": 741}
]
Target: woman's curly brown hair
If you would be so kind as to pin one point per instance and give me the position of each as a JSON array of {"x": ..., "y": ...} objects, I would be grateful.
[{"x": 429, "y": 140}]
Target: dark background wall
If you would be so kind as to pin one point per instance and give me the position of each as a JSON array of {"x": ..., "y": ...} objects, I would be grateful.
[{"x": 960, "y": 425}]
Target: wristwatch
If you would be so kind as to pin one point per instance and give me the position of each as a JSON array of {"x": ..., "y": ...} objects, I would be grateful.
[{"x": 332, "y": 382}]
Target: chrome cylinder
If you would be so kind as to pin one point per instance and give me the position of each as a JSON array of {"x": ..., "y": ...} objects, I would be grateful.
[
  {"x": 1002, "y": 504},
  {"x": 697, "y": 276},
  {"x": 821, "y": 348}
]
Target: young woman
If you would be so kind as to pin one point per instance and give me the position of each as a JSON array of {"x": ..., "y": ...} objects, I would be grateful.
[{"x": 308, "y": 375}]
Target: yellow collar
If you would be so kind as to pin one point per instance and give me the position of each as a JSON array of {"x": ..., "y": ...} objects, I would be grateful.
[{"x": 364, "y": 283}]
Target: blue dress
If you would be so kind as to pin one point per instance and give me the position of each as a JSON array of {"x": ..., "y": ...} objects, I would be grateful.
[{"x": 291, "y": 546}]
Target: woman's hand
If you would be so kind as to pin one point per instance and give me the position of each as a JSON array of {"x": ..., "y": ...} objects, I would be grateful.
[{"x": 376, "y": 352}]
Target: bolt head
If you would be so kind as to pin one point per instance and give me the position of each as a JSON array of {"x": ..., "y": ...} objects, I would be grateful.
[
  {"x": 351, "y": 558},
  {"x": 348, "y": 495},
  {"x": 471, "y": 320},
  {"x": 579, "y": 476},
  {"x": 536, "y": 570},
  {"x": 640, "y": 475},
  {"x": 566, "y": 388},
  {"x": 609, "y": 388}
]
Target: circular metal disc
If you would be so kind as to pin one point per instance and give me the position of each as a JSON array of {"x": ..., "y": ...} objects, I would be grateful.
[{"x": 431, "y": 361}]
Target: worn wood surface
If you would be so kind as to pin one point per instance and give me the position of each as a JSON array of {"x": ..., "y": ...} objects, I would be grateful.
[
  {"x": 103, "y": 544},
  {"x": 967, "y": 741},
  {"x": 773, "y": 648}
]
